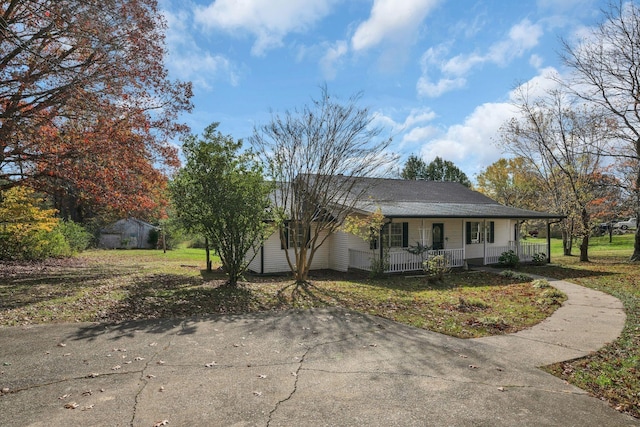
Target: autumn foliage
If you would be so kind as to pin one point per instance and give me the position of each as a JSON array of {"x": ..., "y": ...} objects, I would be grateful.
[
  {"x": 28, "y": 231},
  {"x": 87, "y": 111}
]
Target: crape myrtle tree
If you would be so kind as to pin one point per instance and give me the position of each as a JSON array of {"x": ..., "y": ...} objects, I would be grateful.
[
  {"x": 221, "y": 194},
  {"x": 605, "y": 68},
  {"x": 316, "y": 155},
  {"x": 436, "y": 170},
  {"x": 86, "y": 107},
  {"x": 562, "y": 141}
]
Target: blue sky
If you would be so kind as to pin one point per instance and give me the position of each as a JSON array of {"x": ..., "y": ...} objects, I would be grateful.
[{"x": 437, "y": 74}]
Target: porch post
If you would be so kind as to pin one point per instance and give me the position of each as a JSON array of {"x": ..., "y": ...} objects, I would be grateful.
[
  {"x": 548, "y": 242},
  {"x": 484, "y": 241},
  {"x": 518, "y": 238}
]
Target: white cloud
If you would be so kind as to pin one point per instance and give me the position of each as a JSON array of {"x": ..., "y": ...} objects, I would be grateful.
[
  {"x": 540, "y": 85},
  {"x": 470, "y": 145},
  {"x": 187, "y": 61},
  {"x": 391, "y": 20},
  {"x": 433, "y": 90},
  {"x": 536, "y": 61},
  {"x": 332, "y": 56},
  {"x": 269, "y": 21},
  {"x": 521, "y": 38}
]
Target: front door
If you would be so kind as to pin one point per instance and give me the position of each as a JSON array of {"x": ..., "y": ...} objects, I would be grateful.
[{"x": 438, "y": 236}]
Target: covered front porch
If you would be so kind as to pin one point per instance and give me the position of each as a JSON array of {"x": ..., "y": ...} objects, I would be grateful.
[{"x": 402, "y": 261}]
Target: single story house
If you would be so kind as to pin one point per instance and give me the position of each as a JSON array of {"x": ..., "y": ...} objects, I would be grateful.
[
  {"x": 129, "y": 233},
  {"x": 463, "y": 225}
]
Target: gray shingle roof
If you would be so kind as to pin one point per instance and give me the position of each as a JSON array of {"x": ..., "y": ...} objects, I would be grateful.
[{"x": 436, "y": 199}]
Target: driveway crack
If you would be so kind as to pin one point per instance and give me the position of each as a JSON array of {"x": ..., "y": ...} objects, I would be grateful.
[
  {"x": 297, "y": 376},
  {"x": 145, "y": 382}
]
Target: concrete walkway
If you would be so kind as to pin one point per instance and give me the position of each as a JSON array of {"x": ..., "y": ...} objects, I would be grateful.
[
  {"x": 587, "y": 321},
  {"x": 323, "y": 367}
]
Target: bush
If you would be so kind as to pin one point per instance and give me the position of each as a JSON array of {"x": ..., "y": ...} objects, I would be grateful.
[
  {"x": 508, "y": 259},
  {"x": 77, "y": 237},
  {"x": 436, "y": 267},
  {"x": 515, "y": 275},
  {"x": 539, "y": 258},
  {"x": 28, "y": 231},
  {"x": 379, "y": 266},
  {"x": 551, "y": 296},
  {"x": 34, "y": 245},
  {"x": 541, "y": 284}
]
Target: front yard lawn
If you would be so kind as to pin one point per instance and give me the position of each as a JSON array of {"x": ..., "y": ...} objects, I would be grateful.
[{"x": 111, "y": 286}]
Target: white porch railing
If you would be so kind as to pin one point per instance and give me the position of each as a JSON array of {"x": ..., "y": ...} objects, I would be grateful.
[
  {"x": 524, "y": 250},
  {"x": 402, "y": 261}
]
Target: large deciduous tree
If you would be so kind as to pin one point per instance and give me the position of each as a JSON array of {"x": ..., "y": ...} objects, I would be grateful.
[
  {"x": 83, "y": 91},
  {"x": 317, "y": 154},
  {"x": 562, "y": 141},
  {"x": 221, "y": 193},
  {"x": 605, "y": 69},
  {"x": 511, "y": 182}
]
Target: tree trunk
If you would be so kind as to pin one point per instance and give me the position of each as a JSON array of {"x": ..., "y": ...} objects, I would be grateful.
[
  {"x": 206, "y": 248},
  {"x": 584, "y": 246},
  {"x": 636, "y": 246},
  {"x": 566, "y": 243},
  {"x": 584, "y": 249},
  {"x": 302, "y": 267}
]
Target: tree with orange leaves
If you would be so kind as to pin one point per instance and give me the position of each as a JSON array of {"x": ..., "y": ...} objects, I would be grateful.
[{"x": 86, "y": 107}]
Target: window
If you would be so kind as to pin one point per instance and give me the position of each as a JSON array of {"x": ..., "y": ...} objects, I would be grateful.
[
  {"x": 294, "y": 234},
  {"x": 476, "y": 231},
  {"x": 396, "y": 235}
]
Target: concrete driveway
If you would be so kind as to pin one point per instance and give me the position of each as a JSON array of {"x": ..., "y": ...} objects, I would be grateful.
[{"x": 321, "y": 367}]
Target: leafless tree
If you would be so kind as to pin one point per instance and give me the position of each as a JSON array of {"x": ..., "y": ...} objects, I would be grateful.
[
  {"x": 563, "y": 142},
  {"x": 606, "y": 72},
  {"x": 316, "y": 155}
]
